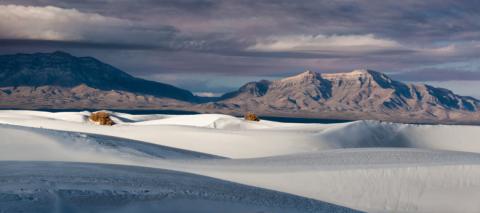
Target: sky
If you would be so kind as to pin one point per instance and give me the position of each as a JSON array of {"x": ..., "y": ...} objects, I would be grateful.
[{"x": 214, "y": 46}]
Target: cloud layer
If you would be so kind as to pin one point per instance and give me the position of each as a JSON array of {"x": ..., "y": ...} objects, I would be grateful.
[
  {"x": 321, "y": 43},
  {"x": 428, "y": 40},
  {"x": 53, "y": 23}
]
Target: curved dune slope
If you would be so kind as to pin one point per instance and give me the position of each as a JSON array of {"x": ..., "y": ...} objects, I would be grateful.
[{"x": 81, "y": 187}]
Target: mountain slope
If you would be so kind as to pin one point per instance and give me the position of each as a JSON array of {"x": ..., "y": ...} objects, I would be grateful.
[
  {"x": 80, "y": 97},
  {"x": 358, "y": 94},
  {"x": 65, "y": 70}
]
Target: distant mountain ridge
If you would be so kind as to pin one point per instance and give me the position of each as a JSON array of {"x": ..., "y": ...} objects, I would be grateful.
[
  {"x": 64, "y": 70},
  {"x": 79, "y": 97},
  {"x": 60, "y": 80},
  {"x": 360, "y": 94}
]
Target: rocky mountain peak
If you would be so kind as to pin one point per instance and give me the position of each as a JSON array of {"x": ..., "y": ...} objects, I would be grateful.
[
  {"x": 346, "y": 75},
  {"x": 306, "y": 75},
  {"x": 360, "y": 76},
  {"x": 355, "y": 74}
]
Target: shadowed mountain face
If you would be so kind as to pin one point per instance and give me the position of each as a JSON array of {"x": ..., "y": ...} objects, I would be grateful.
[
  {"x": 357, "y": 94},
  {"x": 64, "y": 70}
]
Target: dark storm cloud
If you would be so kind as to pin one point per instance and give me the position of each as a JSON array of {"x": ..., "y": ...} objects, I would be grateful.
[
  {"x": 312, "y": 55},
  {"x": 393, "y": 19},
  {"x": 126, "y": 8},
  {"x": 438, "y": 75},
  {"x": 13, "y": 43},
  {"x": 255, "y": 37}
]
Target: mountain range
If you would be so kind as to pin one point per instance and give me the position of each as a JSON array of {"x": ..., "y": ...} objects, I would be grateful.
[
  {"x": 64, "y": 70},
  {"x": 360, "y": 94},
  {"x": 60, "y": 80}
]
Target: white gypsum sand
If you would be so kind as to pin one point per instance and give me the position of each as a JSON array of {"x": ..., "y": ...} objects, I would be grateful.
[{"x": 364, "y": 165}]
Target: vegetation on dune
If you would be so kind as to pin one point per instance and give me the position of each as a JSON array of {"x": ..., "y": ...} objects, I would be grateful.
[
  {"x": 250, "y": 116},
  {"x": 101, "y": 118}
]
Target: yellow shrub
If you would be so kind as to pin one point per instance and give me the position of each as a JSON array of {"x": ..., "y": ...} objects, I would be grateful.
[
  {"x": 101, "y": 118},
  {"x": 250, "y": 116}
]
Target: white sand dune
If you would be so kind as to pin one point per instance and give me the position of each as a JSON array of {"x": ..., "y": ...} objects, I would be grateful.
[
  {"x": 79, "y": 187},
  {"x": 365, "y": 165},
  {"x": 232, "y": 137},
  {"x": 51, "y": 145}
]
